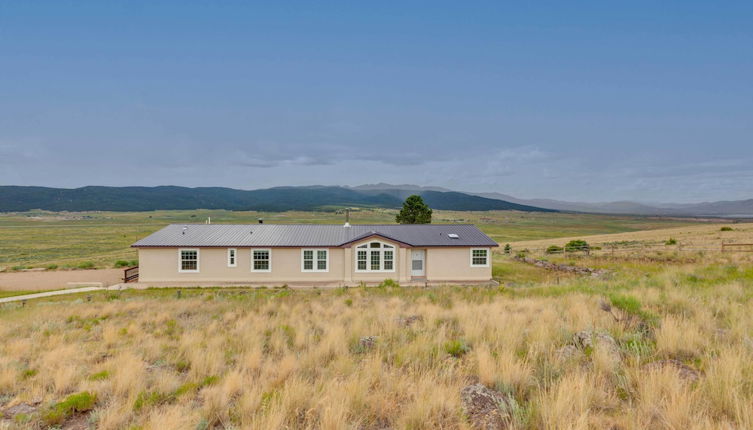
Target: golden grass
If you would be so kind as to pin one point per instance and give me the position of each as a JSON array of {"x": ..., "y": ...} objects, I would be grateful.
[
  {"x": 282, "y": 359},
  {"x": 706, "y": 237},
  {"x": 66, "y": 240}
]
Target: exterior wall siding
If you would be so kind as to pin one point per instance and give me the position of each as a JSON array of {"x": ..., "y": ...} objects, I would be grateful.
[
  {"x": 160, "y": 265},
  {"x": 454, "y": 264}
]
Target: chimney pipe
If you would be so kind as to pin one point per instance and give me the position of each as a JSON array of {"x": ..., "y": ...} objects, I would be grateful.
[
  {"x": 261, "y": 220},
  {"x": 347, "y": 218}
]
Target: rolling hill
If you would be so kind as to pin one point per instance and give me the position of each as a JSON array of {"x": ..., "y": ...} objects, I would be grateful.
[{"x": 92, "y": 198}]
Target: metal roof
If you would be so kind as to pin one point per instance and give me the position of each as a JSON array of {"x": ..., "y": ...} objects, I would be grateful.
[{"x": 311, "y": 235}]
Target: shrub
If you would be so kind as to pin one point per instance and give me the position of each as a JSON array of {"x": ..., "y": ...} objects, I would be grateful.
[
  {"x": 577, "y": 245},
  {"x": 99, "y": 376},
  {"x": 508, "y": 248},
  {"x": 52, "y": 266},
  {"x": 671, "y": 241},
  {"x": 554, "y": 249},
  {"x": 29, "y": 373},
  {"x": 632, "y": 309},
  {"x": 456, "y": 348},
  {"x": 146, "y": 399},
  {"x": 126, "y": 263},
  {"x": 725, "y": 228},
  {"x": 389, "y": 283},
  {"x": 86, "y": 265},
  {"x": 80, "y": 402}
]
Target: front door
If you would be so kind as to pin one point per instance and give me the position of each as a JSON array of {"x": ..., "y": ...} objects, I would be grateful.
[{"x": 418, "y": 257}]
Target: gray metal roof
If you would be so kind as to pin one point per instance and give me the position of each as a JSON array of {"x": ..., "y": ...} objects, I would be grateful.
[{"x": 300, "y": 235}]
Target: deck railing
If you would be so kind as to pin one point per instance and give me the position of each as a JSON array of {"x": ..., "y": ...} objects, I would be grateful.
[{"x": 131, "y": 274}]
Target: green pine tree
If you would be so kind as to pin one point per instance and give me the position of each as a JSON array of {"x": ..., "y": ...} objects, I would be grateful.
[{"x": 414, "y": 211}]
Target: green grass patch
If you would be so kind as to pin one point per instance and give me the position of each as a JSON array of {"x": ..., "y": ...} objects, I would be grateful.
[{"x": 75, "y": 403}]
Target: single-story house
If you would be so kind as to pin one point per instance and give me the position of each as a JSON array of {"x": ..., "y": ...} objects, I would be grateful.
[{"x": 310, "y": 254}]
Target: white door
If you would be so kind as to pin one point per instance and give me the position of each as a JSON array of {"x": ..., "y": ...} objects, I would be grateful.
[{"x": 417, "y": 262}]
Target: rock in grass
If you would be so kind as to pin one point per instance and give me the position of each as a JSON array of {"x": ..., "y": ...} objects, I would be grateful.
[
  {"x": 567, "y": 353},
  {"x": 588, "y": 339},
  {"x": 487, "y": 409},
  {"x": 683, "y": 370},
  {"x": 409, "y": 320},
  {"x": 368, "y": 342},
  {"x": 21, "y": 408}
]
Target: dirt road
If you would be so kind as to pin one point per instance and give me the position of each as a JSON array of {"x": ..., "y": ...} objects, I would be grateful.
[{"x": 56, "y": 279}]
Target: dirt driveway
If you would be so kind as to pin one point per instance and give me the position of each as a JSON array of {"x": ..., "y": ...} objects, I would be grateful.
[{"x": 56, "y": 279}]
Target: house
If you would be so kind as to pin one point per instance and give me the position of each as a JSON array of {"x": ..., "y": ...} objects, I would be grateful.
[{"x": 331, "y": 255}]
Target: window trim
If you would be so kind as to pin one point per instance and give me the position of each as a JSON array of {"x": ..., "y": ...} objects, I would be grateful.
[
  {"x": 234, "y": 251},
  {"x": 488, "y": 257},
  {"x": 379, "y": 250},
  {"x": 315, "y": 260},
  {"x": 269, "y": 253},
  {"x": 180, "y": 260}
]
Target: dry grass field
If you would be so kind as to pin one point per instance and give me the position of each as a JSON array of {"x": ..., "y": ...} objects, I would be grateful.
[
  {"x": 100, "y": 239},
  {"x": 662, "y": 341},
  {"x": 269, "y": 359},
  {"x": 706, "y": 237}
]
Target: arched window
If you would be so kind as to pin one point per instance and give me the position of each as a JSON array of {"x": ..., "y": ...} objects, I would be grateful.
[{"x": 375, "y": 257}]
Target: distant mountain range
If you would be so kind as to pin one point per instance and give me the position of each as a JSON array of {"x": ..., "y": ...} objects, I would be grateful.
[
  {"x": 729, "y": 208},
  {"x": 22, "y": 198}
]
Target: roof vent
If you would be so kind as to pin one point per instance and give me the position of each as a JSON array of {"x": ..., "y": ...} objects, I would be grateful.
[
  {"x": 185, "y": 227},
  {"x": 453, "y": 236}
]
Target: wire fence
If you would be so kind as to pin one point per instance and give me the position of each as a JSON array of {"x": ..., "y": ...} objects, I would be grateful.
[{"x": 623, "y": 249}]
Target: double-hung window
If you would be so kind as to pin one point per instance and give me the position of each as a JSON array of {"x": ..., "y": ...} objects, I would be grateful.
[
  {"x": 232, "y": 259},
  {"x": 375, "y": 257},
  {"x": 261, "y": 260},
  {"x": 314, "y": 260},
  {"x": 479, "y": 257},
  {"x": 188, "y": 261}
]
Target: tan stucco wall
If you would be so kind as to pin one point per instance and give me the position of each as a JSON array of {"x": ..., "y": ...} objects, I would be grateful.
[
  {"x": 454, "y": 264},
  {"x": 160, "y": 265},
  {"x": 400, "y": 273}
]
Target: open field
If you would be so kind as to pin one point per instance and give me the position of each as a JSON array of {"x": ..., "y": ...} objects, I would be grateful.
[
  {"x": 666, "y": 341},
  {"x": 295, "y": 359},
  {"x": 99, "y": 239},
  {"x": 50, "y": 280},
  {"x": 699, "y": 237}
]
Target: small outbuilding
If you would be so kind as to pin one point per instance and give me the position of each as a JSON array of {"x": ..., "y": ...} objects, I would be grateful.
[{"x": 311, "y": 254}]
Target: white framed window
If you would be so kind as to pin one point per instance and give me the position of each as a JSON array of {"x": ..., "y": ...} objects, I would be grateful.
[
  {"x": 188, "y": 260},
  {"x": 314, "y": 260},
  {"x": 375, "y": 257},
  {"x": 232, "y": 257},
  {"x": 479, "y": 257},
  {"x": 261, "y": 260}
]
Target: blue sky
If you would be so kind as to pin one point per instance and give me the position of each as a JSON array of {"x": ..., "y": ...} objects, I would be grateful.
[{"x": 592, "y": 101}]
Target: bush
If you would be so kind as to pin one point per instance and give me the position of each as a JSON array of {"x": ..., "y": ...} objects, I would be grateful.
[
  {"x": 632, "y": 308},
  {"x": 671, "y": 241},
  {"x": 74, "y": 403},
  {"x": 554, "y": 249},
  {"x": 725, "y": 228},
  {"x": 52, "y": 266},
  {"x": 126, "y": 263},
  {"x": 86, "y": 265},
  {"x": 389, "y": 283},
  {"x": 456, "y": 348},
  {"x": 508, "y": 248},
  {"x": 99, "y": 376},
  {"x": 577, "y": 245}
]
